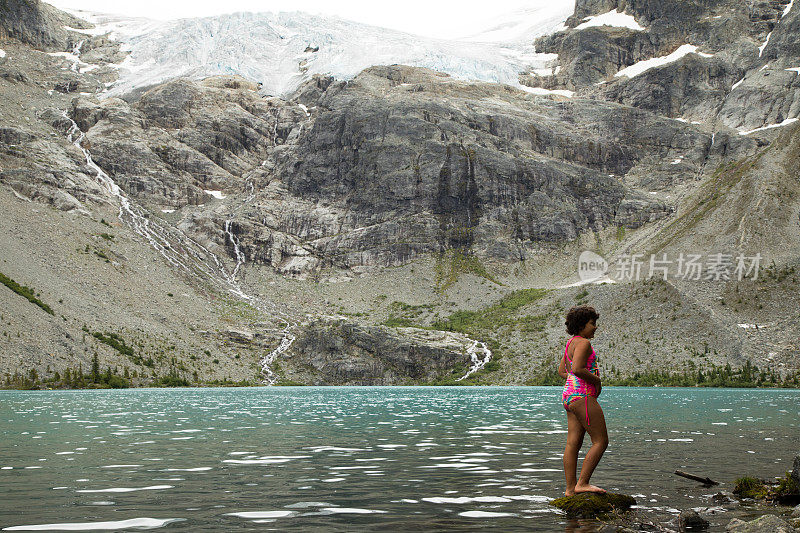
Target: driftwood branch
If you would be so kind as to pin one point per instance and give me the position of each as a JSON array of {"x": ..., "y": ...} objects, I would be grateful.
[{"x": 703, "y": 480}]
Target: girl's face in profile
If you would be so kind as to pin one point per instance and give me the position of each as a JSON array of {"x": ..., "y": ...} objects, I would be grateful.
[{"x": 589, "y": 329}]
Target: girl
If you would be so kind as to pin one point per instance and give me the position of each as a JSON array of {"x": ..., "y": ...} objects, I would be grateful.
[{"x": 579, "y": 397}]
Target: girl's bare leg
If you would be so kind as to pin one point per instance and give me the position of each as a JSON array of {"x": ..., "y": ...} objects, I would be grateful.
[
  {"x": 575, "y": 433},
  {"x": 599, "y": 435}
]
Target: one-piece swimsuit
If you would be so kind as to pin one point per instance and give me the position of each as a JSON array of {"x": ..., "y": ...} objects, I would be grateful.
[{"x": 576, "y": 387}]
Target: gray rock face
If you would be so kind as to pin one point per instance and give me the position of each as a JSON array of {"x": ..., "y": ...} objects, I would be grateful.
[
  {"x": 38, "y": 24},
  {"x": 345, "y": 353},
  {"x": 396, "y": 163},
  {"x": 742, "y": 38}
]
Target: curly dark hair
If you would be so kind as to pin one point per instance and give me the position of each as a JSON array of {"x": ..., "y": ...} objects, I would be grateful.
[{"x": 578, "y": 317}]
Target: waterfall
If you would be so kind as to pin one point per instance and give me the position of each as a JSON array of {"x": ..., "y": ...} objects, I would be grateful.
[
  {"x": 477, "y": 362},
  {"x": 183, "y": 252},
  {"x": 240, "y": 258}
]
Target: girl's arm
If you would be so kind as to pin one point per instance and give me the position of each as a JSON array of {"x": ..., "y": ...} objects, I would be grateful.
[{"x": 562, "y": 367}]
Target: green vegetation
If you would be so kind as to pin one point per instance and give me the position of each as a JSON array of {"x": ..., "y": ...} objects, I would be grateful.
[
  {"x": 289, "y": 383},
  {"x": 774, "y": 273},
  {"x": 71, "y": 378},
  {"x": 115, "y": 341},
  {"x": 591, "y": 505},
  {"x": 405, "y": 315},
  {"x": 748, "y": 376},
  {"x": 452, "y": 263},
  {"x": 787, "y": 492},
  {"x": 490, "y": 319},
  {"x": 25, "y": 292}
]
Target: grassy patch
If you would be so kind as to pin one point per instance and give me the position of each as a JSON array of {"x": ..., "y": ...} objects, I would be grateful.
[
  {"x": 25, "y": 292},
  {"x": 750, "y": 487},
  {"x": 491, "y": 318},
  {"x": 450, "y": 264}
]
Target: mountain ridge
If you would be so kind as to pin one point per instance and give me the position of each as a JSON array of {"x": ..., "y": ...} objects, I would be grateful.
[{"x": 400, "y": 197}]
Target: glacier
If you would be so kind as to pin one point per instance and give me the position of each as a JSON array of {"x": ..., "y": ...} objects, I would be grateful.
[{"x": 283, "y": 50}]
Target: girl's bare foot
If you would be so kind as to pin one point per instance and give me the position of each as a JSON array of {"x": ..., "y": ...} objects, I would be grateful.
[
  {"x": 569, "y": 492},
  {"x": 589, "y": 488}
]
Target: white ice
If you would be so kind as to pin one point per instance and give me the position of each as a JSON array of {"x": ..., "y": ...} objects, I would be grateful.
[
  {"x": 265, "y": 47},
  {"x": 793, "y": 69},
  {"x": 612, "y": 18},
  {"x": 2, "y": 53},
  {"x": 216, "y": 194},
  {"x": 647, "y": 64}
]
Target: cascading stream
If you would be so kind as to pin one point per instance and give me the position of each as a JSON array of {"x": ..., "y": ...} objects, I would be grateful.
[
  {"x": 183, "y": 252},
  {"x": 477, "y": 362}
]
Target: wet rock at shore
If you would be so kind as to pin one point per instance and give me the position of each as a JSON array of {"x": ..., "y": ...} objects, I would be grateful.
[
  {"x": 689, "y": 520},
  {"x": 765, "y": 524},
  {"x": 796, "y": 469},
  {"x": 590, "y": 505}
]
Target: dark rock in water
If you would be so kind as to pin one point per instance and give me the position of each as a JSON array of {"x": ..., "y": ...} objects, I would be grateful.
[
  {"x": 691, "y": 521},
  {"x": 796, "y": 469},
  {"x": 592, "y": 505},
  {"x": 765, "y": 524},
  {"x": 723, "y": 497}
]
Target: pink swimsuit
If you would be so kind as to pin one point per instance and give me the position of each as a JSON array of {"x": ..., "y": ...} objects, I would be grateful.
[{"x": 576, "y": 387}]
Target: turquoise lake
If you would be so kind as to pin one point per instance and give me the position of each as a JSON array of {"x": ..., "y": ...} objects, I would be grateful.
[{"x": 368, "y": 458}]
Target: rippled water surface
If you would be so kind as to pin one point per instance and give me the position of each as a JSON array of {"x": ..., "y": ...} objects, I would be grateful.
[{"x": 352, "y": 458}]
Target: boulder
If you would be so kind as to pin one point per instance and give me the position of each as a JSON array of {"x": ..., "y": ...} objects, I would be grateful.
[
  {"x": 765, "y": 524},
  {"x": 796, "y": 469},
  {"x": 689, "y": 520},
  {"x": 796, "y": 512},
  {"x": 592, "y": 505}
]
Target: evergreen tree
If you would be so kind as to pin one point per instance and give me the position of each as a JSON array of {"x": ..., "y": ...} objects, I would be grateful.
[{"x": 95, "y": 369}]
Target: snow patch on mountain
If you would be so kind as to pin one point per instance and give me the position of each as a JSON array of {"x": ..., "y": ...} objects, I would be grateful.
[
  {"x": 644, "y": 65},
  {"x": 612, "y": 18}
]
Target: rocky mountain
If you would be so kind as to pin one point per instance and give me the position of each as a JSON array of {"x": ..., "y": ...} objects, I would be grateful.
[{"x": 402, "y": 225}]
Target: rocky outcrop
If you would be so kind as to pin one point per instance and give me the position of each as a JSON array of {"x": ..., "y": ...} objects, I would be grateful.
[
  {"x": 38, "y": 24},
  {"x": 396, "y": 163},
  {"x": 725, "y": 79},
  {"x": 339, "y": 352},
  {"x": 765, "y": 524}
]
